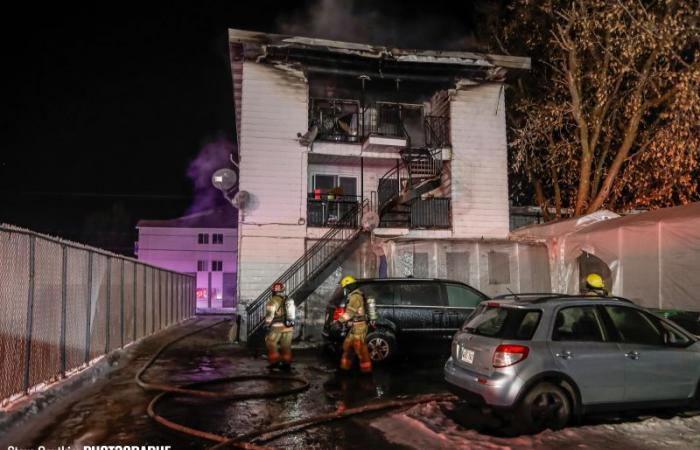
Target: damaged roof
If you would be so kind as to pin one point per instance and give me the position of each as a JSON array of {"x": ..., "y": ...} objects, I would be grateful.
[{"x": 266, "y": 41}]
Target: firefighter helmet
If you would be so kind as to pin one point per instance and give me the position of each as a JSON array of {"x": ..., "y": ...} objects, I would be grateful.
[
  {"x": 347, "y": 280},
  {"x": 278, "y": 287},
  {"x": 595, "y": 281}
]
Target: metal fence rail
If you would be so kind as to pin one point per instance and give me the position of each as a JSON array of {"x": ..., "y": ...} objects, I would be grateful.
[{"x": 63, "y": 304}]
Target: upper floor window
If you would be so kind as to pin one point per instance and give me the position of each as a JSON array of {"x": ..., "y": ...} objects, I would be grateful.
[
  {"x": 217, "y": 266},
  {"x": 217, "y": 238},
  {"x": 203, "y": 238},
  {"x": 202, "y": 265}
]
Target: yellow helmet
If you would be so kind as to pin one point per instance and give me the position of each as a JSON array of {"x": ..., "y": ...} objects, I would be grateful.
[
  {"x": 595, "y": 281},
  {"x": 347, "y": 280}
]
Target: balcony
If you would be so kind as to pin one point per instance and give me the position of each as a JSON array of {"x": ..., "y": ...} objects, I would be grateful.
[
  {"x": 432, "y": 214},
  {"x": 379, "y": 125},
  {"x": 324, "y": 210}
]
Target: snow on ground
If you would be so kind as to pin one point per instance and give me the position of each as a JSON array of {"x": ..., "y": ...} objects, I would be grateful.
[{"x": 428, "y": 426}]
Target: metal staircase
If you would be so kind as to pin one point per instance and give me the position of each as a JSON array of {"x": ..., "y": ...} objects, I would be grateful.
[
  {"x": 304, "y": 276},
  {"x": 417, "y": 172}
]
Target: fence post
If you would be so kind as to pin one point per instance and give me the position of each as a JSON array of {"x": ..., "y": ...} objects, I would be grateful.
[
  {"x": 145, "y": 292},
  {"x": 64, "y": 292},
  {"x": 153, "y": 300},
  {"x": 88, "y": 309},
  {"x": 30, "y": 314},
  {"x": 121, "y": 306},
  {"x": 107, "y": 302}
]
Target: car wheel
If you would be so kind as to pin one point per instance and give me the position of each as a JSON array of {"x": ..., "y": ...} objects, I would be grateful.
[
  {"x": 544, "y": 406},
  {"x": 381, "y": 346}
]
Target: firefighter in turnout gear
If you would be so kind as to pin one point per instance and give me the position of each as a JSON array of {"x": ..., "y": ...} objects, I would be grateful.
[
  {"x": 279, "y": 322},
  {"x": 356, "y": 316},
  {"x": 595, "y": 286}
]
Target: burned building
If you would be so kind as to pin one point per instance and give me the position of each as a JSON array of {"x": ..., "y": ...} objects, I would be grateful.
[{"x": 371, "y": 161}]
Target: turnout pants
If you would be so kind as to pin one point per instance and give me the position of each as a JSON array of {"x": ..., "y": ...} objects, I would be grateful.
[
  {"x": 355, "y": 340},
  {"x": 279, "y": 345}
]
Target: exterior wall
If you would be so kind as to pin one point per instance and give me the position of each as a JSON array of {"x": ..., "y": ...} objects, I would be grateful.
[
  {"x": 479, "y": 162},
  {"x": 178, "y": 249},
  {"x": 526, "y": 266},
  {"x": 273, "y": 171}
]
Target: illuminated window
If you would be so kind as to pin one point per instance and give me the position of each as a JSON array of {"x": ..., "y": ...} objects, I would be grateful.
[
  {"x": 203, "y": 238},
  {"x": 217, "y": 266}
]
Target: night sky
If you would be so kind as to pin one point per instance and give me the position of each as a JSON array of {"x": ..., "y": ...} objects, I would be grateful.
[{"x": 105, "y": 106}]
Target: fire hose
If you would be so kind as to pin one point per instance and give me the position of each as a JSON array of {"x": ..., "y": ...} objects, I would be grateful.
[{"x": 252, "y": 439}]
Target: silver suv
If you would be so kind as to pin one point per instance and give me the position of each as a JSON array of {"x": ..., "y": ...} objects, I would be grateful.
[{"x": 541, "y": 359}]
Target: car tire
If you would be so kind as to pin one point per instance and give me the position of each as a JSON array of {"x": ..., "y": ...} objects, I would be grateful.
[
  {"x": 545, "y": 406},
  {"x": 381, "y": 345}
]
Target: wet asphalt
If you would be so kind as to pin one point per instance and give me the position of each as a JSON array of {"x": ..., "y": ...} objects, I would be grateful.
[{"x": 112, "y": 410}]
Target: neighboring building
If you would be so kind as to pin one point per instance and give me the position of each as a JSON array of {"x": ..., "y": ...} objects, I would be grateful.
[
  {"x": 412, "y": 141},
  {"x": 204, "y": 243}
]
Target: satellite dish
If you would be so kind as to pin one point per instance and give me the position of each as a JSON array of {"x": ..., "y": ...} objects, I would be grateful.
[
  {"x": 224, "y": 179},
  {"x": 370, "y": 220},
  {"x": 240, "y": 199}
]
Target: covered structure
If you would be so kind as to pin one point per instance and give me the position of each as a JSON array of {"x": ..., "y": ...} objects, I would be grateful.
[{"x": 652, "y": 258}]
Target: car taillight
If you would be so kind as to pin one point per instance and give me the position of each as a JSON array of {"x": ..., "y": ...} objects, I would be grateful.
[
  {"x": 507, "y": 355},
  {"x": 337, "y": 312}
]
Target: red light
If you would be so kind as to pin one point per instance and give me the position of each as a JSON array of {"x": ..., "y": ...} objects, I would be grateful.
[
  {"x": 507, "y": 355},
  {"x": 493, "y": 305},
  {"x": 338, "y": 312}
]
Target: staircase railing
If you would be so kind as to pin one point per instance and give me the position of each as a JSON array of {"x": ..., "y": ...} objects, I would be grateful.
[
  {"x": 311, "y": 263},
  {"x": 437, "y": 131}
]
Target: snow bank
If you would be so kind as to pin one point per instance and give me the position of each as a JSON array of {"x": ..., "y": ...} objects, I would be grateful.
[{"x": 428, "y": 427}]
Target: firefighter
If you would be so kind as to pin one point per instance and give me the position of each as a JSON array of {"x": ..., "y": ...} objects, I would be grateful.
[
  {"x": 356, "y": 316},
  {"x": 595, "y": 286},
  {"x": 279, "y": 322}
]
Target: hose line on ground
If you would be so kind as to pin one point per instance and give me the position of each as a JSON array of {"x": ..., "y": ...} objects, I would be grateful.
[{"x": 249, "y": 440}]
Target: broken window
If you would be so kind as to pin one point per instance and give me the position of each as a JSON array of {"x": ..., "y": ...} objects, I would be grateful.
[{"x": 499, "y": 268}]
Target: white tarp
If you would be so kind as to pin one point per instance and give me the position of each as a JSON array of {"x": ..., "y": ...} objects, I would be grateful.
[{"x": 653, "y": 257}]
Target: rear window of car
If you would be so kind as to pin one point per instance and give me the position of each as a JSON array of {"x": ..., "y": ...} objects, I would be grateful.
[{"x": 503, "y": 323}]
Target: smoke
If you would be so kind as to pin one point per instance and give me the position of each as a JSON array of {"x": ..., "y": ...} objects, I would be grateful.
[
  {"x": 447, "y": 26},
  {"x": 213, "y": 155}
]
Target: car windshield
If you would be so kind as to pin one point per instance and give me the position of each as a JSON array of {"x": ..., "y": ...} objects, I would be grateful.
[{"x": 504, "y": 323}]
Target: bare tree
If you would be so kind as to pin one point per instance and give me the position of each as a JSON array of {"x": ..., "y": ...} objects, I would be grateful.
[{"x": 612, "y": 117}]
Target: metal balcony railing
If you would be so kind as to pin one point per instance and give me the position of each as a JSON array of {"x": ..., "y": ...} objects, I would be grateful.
[
  {"x": 338, "y": 120},
  {"x": 326, "y": 210},
  {"x": 437, "y": 131},
  {"x": 433, "y": 213},
  {"x": 311, "y": 263}
]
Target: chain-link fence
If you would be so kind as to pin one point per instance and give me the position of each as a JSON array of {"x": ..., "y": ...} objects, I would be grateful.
[{"x": 64, "y": 304}]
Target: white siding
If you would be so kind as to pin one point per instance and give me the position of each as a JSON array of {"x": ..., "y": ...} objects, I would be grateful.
[
  {"x": 479, "y": 162},
  {"x": 273, "y": 170}
]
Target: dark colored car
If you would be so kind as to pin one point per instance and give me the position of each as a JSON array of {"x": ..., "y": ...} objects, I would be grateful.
[{"x": 410, "y": 310}]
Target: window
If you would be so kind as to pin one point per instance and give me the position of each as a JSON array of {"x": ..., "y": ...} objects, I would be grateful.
[
  {"x": 504, "y": 323},
  {"x": 420, "y": 265},
  {"x": 203, "y": 238},
  {"x": 634, "y": 326},
  {"x": 421, "y": 294},
  {"x": 578, "y": 323},
  {"x": 461, "y": 297},
  {"x": 325, "y": 183},
  {"x": 673, "y": 337},
  {"x": 383, "y": 293},
  {"x": 202, "y": 265},
  {"x": 499, "y": 268},
  {"x": 217, "y": 238},
  {"x": 216, "y": 266},
  {"x": 457, "y": 266}
]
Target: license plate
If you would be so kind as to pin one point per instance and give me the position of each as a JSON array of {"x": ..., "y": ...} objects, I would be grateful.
[{"x": 467, "y": 355}]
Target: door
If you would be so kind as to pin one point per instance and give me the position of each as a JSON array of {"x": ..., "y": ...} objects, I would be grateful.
[
  {"x": 648, "y": 357},
  {"x": 420, "y": 310},
  {"x": 582, "y": 350},
  {"x": 461, "y": 302}
]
